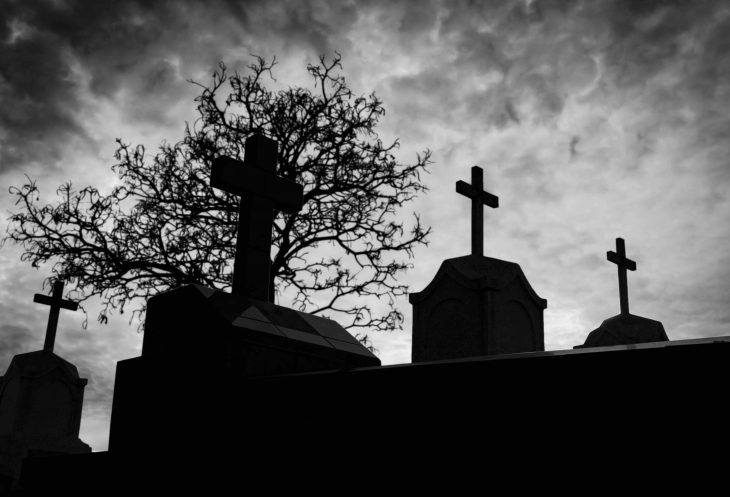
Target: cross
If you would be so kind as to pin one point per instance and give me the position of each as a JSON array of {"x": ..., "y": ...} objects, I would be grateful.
[
  {"x": 261, "y": 192},
  {"x": 56, "y": 303},
  {"x": 478, "y": 197},
  {"x": 619, "y": 258}
]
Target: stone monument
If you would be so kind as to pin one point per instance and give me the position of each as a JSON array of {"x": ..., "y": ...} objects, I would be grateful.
[
  {"x": 476, "y": 305},
  {"x": 243, "y": 329},
  {"x": 227, "y": 338},
  {"x": 41, "y": 397},
  {"x": 624, "y": 328}
]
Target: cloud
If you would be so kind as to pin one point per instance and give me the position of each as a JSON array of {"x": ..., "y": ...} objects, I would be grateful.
[
  {"x": 57, "y": 58},
  {"x": 37, "y": 95},
  {"x": 505, "y": 62},
  {"x": 41, "y": 45}
]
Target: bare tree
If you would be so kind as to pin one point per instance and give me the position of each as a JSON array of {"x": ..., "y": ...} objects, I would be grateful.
[{"x": 164, "y": 226}]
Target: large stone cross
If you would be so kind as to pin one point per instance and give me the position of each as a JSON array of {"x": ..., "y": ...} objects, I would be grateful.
[
  {"x": 261, "y": 192},
  {"x": 619, "y": 258},
  {"x": 479, "y": 198},
  {"x": 57, "y": 303}
]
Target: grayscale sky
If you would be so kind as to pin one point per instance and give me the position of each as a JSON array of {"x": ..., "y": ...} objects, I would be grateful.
[{"x": 592, "y": 120}]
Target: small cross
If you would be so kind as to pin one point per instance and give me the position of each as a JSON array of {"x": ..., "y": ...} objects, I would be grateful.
[
  {"x": 478, "y": 197},
  {"x": 261, "y": 192},
  {"x": 619, "y": 258},
  {"x": 56, "y": 303}
]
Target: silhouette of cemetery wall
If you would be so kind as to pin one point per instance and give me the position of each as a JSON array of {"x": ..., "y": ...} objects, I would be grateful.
[
  {"x": 290, "y": 431},
  {"x": 476, "y": 306}
]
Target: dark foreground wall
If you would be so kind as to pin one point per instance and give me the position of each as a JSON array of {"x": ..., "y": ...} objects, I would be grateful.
[{"x": 178, "y": 428}]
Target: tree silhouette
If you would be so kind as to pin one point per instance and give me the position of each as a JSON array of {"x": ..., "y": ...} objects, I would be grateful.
[{"x": 164, "y": 225}]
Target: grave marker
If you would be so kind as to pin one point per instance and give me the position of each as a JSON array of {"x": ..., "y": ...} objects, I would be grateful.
[
  {"x": 479, "y": 198},
  {"x": 57, "y": 303},
  {"x": 254, "y": 179}
]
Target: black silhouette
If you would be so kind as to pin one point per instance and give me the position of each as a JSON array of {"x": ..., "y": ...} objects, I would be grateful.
[
  {"x": 476, "y": 305},
  {"x": 234, "y": 337},
  {"x": 41, "y": 400},
  {"x": 241, "y": 336},
  {"x": 213, "y": 397},
  {"x": 619, "y": 258},
  {"x": 261, "y": 192},
  {"x": 624, "y": 328},
  {"x": 57, "y": 303},
  {"x": 478, "y": 197}
]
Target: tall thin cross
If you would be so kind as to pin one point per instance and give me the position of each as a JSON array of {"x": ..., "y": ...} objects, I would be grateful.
[
  {"x": 261, "y": 192},
  {"x": 619, "y": 258},
  {"x": 478, "y": 197},
  {"x": 57, "y": 303}
]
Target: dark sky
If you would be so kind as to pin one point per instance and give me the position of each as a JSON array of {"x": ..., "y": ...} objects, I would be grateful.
[{"x": 592, "y": 120}]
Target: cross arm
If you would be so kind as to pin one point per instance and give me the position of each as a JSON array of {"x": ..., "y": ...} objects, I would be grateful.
[
  {"x": 627, "y": 263},
  {"x": 64, "y": 304},
  {"x": 483, "y": 197},
  {"x": 231, "y": 175}
]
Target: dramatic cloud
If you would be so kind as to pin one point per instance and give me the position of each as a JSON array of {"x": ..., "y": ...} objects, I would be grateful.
[{"x": 56, "y": 56}]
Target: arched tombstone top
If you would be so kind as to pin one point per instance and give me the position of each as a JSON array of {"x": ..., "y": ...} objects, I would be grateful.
[
  {"x": 477, "y": 272},
  {"x": 41, "y": 400},
  {"x": 41, "y": 363}
]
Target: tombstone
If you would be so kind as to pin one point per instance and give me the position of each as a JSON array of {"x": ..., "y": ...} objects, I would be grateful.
[
  {"x": 245, "y": 336},
  {"x": 41, "y": 398},
  {"x": 624, "y": 328},
  {"x": 243, "y": 330},
  {"x": 476, "y": 305},
  {"x": 202, "y": 345}
]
